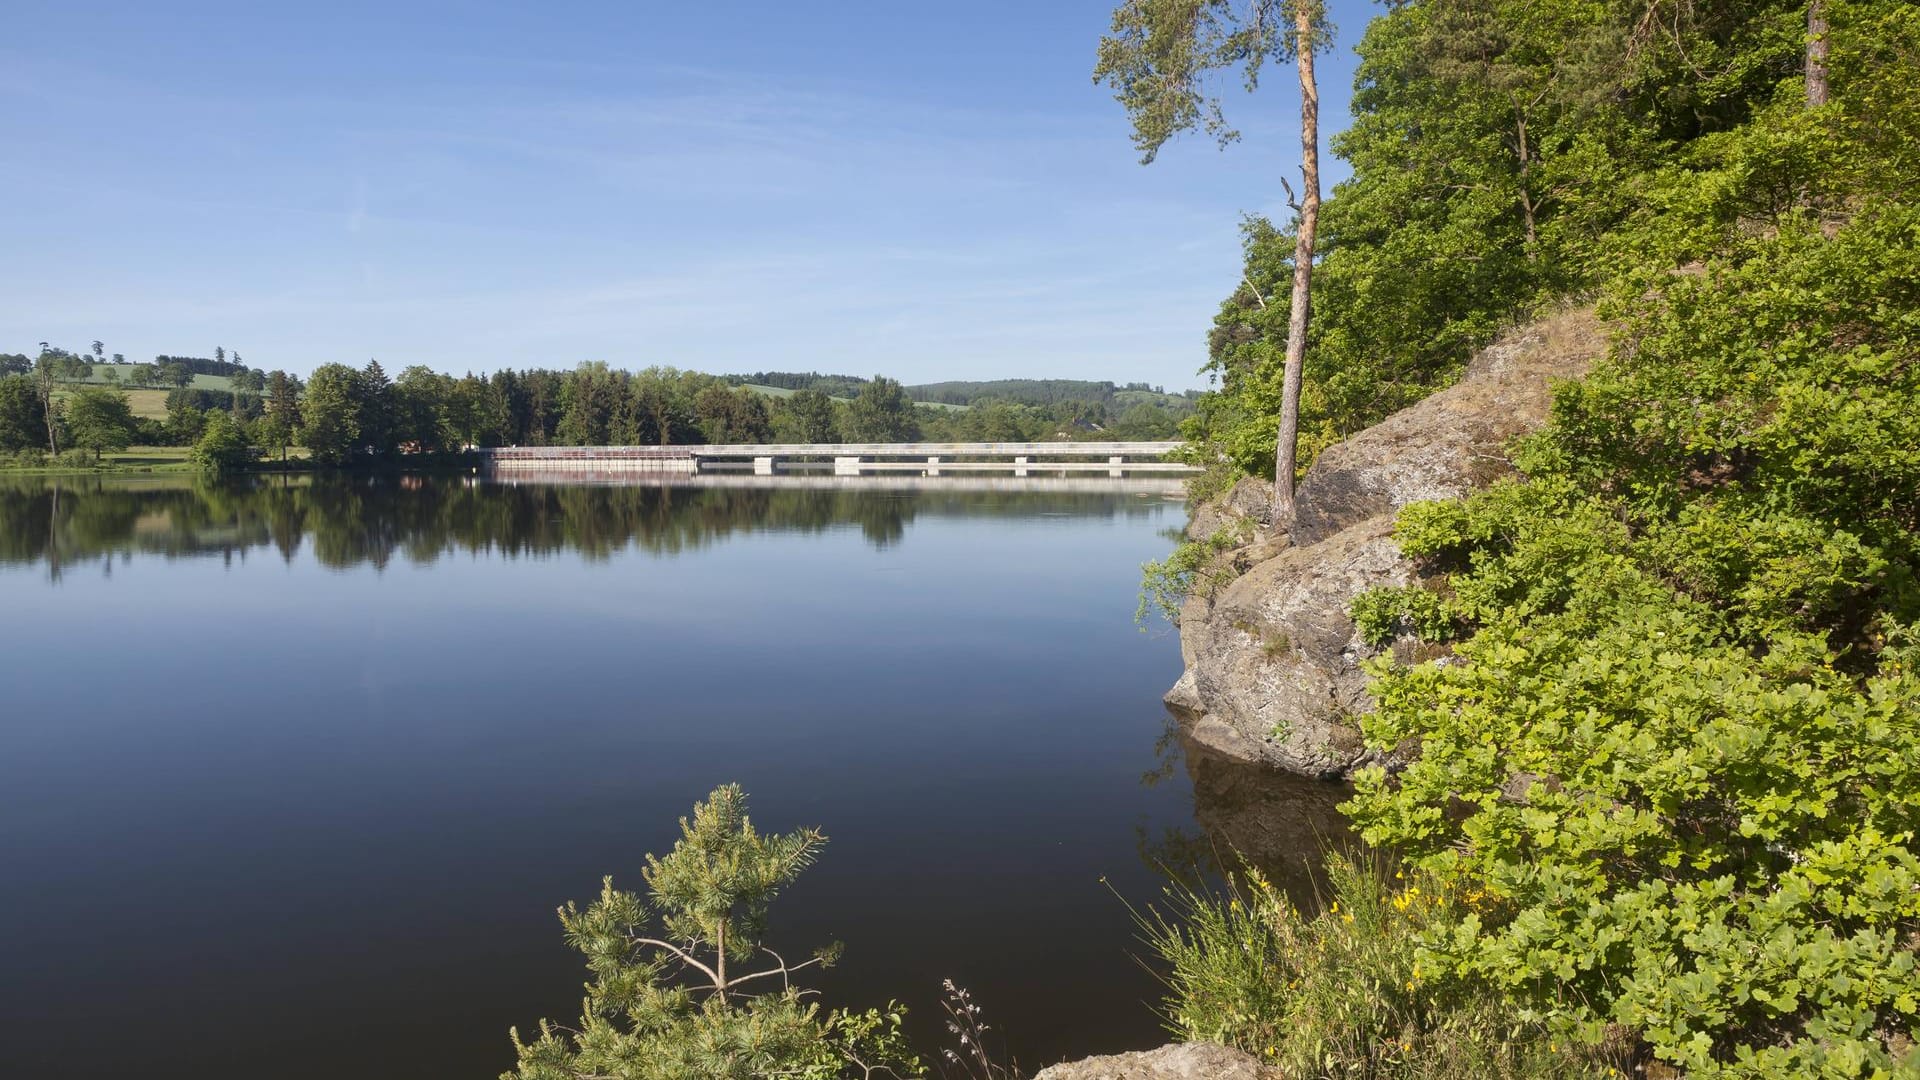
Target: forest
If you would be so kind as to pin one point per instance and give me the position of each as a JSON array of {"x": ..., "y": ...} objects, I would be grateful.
[
  {"x": 231, "y": 414},
  {"x": 1659, "y": 687}
]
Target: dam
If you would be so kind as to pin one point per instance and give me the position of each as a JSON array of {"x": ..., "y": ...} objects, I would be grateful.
[{"x": 1111, "y": 459}]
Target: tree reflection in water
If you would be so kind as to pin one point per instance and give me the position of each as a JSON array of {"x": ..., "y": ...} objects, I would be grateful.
[{"x": 354, "y": 520}]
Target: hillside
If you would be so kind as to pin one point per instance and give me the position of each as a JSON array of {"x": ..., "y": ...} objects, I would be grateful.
[
  {"x": 789, "y": 391},
  {"x": 964, "y": 393},
  {"x": 123, "y": 375},
  {"x": 1047, "y": 392}
]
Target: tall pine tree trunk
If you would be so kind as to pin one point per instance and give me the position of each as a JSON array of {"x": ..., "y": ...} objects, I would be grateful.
[
  {"x": 1287, "y": 450},
  {"x": 1816, "y": 53}
]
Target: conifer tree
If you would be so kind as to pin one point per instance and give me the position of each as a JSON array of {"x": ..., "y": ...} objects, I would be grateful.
[
  {"x": 1158, "y": 59},
  {"x": 666, "y": 1005}
]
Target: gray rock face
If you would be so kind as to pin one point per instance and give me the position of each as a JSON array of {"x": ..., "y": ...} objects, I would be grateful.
[
  {"x": 1182, "y": 1061},
  {"x": 1275, "y": 674},
  {"x": 1450, "y": 443},
  {"x": 1250, "y": 501},
  {"x": 1273, "y": 660}
]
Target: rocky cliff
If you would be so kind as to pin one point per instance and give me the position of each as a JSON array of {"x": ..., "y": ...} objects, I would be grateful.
[{"x": 1273, "y": 661}]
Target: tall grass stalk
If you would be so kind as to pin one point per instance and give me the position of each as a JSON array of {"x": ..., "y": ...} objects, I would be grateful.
[{"x": 1342, "y": 993}]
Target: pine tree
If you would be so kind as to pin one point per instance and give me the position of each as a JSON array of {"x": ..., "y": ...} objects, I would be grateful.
[
  {"x": 1159, "y": 59},
  {"x": 664, "y": 1004}
]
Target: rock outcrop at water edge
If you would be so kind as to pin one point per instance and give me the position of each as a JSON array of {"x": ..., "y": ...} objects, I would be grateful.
[{"x": 1273, "y": 662}]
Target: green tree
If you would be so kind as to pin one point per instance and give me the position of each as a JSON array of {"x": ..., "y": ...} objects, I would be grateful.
[
  {"x": 223, "y": 445},
  {"x": 46, "y": 371},
  {"x": 881, "y": 413},
  {"x": 375, "y": 413},
  {"x": 662, "y": 405},
  {"x": 595, "y": 397},
  {"x": 664, "y": 1004},
  {"x": 99, "y": 419},
  {"x": 246, "y": 384},
  {"x": 1159, "y": 59},
  {"x": 280, "y": 420},
  {"x": 729, "y": 415},
  {"x": 479, "y": 412},
  {"x": 331, "y": 414},
  {"x": 185, "y": 419},
  {"x": 20, "y": 414},
  {"x": 420, "y": 399},
  {"x": 1504, "y": 153},
  {"x": 812, "y": 414}
]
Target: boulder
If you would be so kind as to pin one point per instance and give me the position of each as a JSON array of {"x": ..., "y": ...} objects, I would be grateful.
[
  {"x": 1275, "y": 671},
  {"x": 1181, "y": 1061},
  {"x": 1273, "y": 659}
]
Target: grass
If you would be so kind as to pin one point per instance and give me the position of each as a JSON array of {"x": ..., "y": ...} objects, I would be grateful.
[
  {"x": 132, "y": 459},
  {"x": 784, "y": 392},
  {"x": 160, "y": 459},
  {"x": 1126, "y": 399},
  {"x": 154, "y": 458},
  {"x": 1344, "y": 993},
  {"x": 146, "y": 404},
  {"x": 200, "y": 382}
]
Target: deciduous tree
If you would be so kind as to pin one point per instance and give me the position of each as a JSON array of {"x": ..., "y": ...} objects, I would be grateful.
[
  {"x": 331, "y": 414},
  {"x": 99, "y": 419},
  {"x": 881, "y": 412}
]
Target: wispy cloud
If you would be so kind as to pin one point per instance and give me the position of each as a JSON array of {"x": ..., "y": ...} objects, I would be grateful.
[{"x": 691, "y": 216}]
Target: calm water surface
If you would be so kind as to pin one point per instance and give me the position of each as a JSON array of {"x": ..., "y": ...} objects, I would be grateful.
[{"x": 292, "y": 775}]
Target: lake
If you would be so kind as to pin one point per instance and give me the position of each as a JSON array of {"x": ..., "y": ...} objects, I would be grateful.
[{"x": 294, "y": 772}]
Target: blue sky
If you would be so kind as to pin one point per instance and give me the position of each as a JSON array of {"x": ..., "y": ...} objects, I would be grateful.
[{"x": 922, "y": 190}]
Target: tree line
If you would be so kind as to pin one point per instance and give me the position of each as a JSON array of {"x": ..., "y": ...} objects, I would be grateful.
[{"x": 345, "y": 415}]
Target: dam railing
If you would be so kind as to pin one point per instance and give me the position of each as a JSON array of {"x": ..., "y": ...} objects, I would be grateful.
[{"x": 849, "y": 459}]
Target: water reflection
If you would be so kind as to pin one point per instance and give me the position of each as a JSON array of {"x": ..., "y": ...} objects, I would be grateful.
[
  {"x": 352, "y": 521},
  {"x": 1279, "y": 823}
]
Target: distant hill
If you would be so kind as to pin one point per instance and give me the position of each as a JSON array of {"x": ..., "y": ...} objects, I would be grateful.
[
  {"x": 1048, "y": 392},
  {"x": 963, "y": 393},
  {"x": 839, "y": 387},
  {"x": 789, "y": 391}
]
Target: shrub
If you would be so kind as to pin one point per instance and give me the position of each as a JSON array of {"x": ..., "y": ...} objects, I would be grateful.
[
  {"x": 1195, "y": 568},
  {"x": 223, "y": 445},
  {"x": 1678, "y": 759},
  {"x": 1382, "y": 614},
  {"x": 1344, "y": 992}
]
